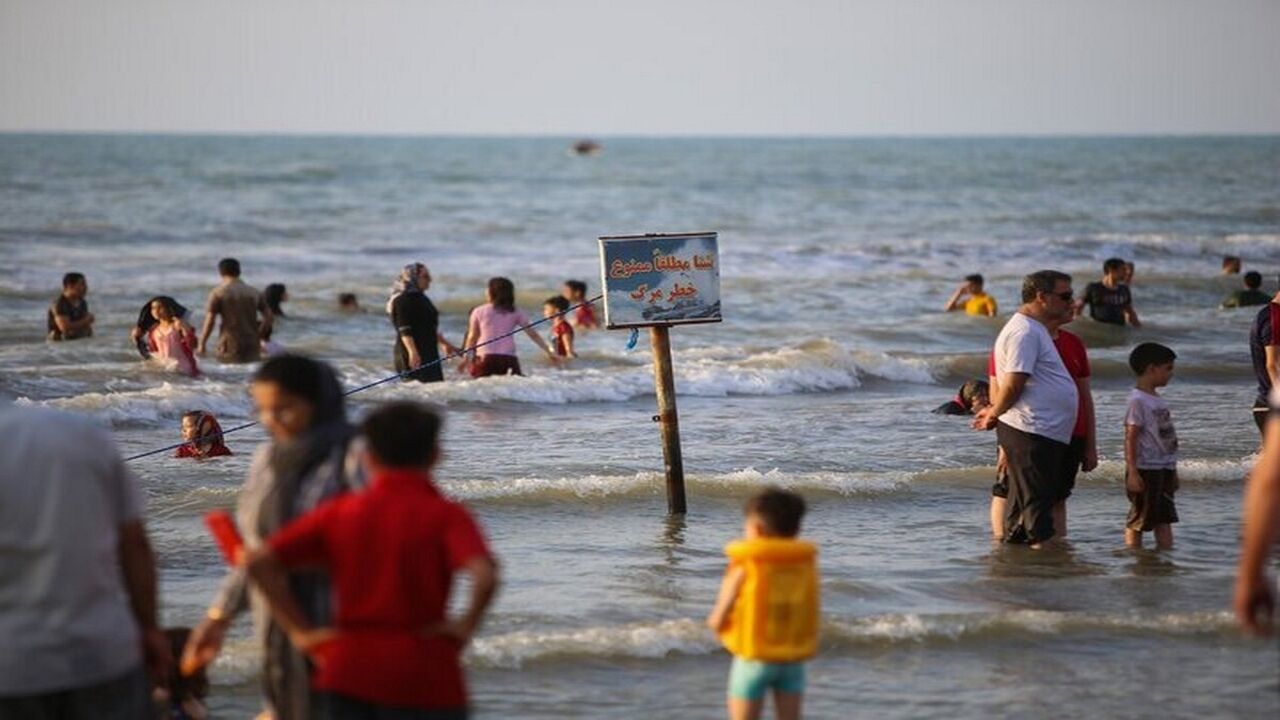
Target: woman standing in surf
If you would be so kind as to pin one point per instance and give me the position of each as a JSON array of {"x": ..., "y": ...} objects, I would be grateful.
[{"x": 417, "y": 324}]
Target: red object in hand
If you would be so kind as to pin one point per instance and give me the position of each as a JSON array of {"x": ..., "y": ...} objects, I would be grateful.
[{"x": 223, "y": 528}]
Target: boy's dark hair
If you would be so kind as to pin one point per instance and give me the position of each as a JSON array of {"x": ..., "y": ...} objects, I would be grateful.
[
  {"x": 229, "y": 267},
  {"x": 780, "y": 511},
  {"x": 1253, "y": 279},
  {"x": 1148, "y": 354},
  {"x": 1041, "y": 281},
  {"x": 1230, "y": 261},
  {"x": 71, "y": 279},
  {"x": 503, "y": 292},
  {"x": 191, "y": 414},
  {"x": 403, "y": 434},
  {"x": 347, "y": 299},
  {"x": 1112, "y": 264},
  {"x": 559, "y": 302},
  {"x": 577, "y": 287},
  {"x": 975, "y": 278}
]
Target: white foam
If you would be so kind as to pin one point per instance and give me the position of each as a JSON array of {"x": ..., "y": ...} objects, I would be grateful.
[
  {"x": 167, "y": 402},
  {"x": 733, "y": 483},
  {"x": 638, "y": 640}
]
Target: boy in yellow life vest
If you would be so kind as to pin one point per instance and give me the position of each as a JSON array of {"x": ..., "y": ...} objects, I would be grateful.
[{"x": 767, "y": 612}]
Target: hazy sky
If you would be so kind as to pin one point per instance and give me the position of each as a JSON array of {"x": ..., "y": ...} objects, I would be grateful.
[{"x": 810, "y": 67}]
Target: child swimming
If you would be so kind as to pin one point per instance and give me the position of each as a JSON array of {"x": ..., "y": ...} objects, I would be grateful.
[{"x": 561, "y": 330}]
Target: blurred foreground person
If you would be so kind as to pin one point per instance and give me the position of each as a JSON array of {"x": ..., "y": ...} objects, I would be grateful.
[{"x": 78, "y": 589}]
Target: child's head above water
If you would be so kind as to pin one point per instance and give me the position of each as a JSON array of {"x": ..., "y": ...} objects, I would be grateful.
[
  {"x": 774, "y": 512},
  {"x": 574, "y": 290},
  {"x": 403, "y": 435},
  {"x": 191, "y": 425},
  {"x": 554, "y": 305},
  {"x": 1153, "y": 361}
]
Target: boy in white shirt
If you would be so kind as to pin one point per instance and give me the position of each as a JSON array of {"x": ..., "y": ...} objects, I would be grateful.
[{"x": 1150, "y": 449}]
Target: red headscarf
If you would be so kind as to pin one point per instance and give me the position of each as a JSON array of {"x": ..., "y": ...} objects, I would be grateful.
[{"x": 208, "y": 442}]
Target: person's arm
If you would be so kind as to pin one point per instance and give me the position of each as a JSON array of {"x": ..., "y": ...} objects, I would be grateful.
[
  {"x": 210, "y": 314},
  {"x": 537, "y": 340},
  {"x": 956, "y": 298},
  {"x": 1273, "y": 364},
  {"x": 1090, "y": 460},
  {"x": 990, "y": 309},
  {"x": 1132, "y": 478},
  {"x": 449, "y": 348},
  {"x": 67, "y": 325},
  {"x": 568, "y": 345},
  {"x": 268, "y": 320},
  {"x": 1006, "y": 393},
  {"x": 484, "y": 584},
  {"x": 137, "y": 564},
  {"x": 269, "y": 574},
  {"x": 729, "y": 588},
  {"x": 468, "y": 340},
  {"x": 1254, "y": 599},
  {"x": 1132, "y": 316},
  {"x": 415, "y": 360}
]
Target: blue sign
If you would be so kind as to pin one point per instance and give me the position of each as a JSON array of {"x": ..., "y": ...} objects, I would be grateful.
[{"x": 660, "y": 279}]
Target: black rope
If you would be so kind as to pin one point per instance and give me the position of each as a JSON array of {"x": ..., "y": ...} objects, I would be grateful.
[{"x": 388, "y": 379}]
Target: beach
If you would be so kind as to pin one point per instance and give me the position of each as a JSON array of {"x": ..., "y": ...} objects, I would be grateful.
[{"x": 836, "y": 259}]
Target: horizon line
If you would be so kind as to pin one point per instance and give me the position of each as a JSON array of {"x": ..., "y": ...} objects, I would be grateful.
[{"x": 304, "y": 134}]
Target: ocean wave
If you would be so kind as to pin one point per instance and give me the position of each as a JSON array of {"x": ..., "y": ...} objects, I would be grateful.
[
  {"x": 151, "y": 406},
  {"x": 685, "y": 636},
  {"x": 643, "y": 484}
]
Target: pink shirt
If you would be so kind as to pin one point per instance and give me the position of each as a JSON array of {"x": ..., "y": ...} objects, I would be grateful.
[{"x": 493, "y": 323}]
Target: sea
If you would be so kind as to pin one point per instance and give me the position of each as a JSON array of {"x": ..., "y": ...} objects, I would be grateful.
[{"x": 836, "y": 258}]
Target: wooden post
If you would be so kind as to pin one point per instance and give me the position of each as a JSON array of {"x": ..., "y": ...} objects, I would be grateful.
[{"x": 669, "y": 422}]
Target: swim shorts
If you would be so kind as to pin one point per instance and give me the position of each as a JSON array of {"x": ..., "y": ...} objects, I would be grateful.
[
  {"x": 1154, "y": 505},
  {"x": 752, "y": 679}
]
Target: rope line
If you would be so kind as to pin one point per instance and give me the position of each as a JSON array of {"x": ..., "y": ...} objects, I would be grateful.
[{"x": 397, "y": 376}]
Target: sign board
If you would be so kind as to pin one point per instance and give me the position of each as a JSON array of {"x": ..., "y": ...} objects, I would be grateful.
[{"x": 660, "y": 279}]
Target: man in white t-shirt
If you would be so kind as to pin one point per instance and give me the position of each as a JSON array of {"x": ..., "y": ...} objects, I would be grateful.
[
  {"x": 77, "y": 577},
  {"x": 1034, "y": 407}
]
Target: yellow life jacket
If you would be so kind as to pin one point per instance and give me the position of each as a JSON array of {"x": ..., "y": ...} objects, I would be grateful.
[{"x": 775, "y": 618}]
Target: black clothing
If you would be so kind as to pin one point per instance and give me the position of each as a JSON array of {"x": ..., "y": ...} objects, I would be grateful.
[
  {"x": 413, "y": 316},
  {"x": 1260, "y": 337},
  {"x": 76, "y": 312},
  {"x": 1107, "y": 305},
  {"x": 951, "y": 407},
  {"x": 1035, "y": 484}
]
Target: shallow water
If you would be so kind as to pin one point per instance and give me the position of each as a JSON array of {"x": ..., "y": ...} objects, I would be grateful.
[{"x": 837, "y": 256}]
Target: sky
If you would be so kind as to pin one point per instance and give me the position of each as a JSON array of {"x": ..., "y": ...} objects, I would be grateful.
[{"x": 657, "y": 67}]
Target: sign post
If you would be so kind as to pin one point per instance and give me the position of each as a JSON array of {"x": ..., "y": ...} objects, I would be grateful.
[{"x": 657, "y": 281}]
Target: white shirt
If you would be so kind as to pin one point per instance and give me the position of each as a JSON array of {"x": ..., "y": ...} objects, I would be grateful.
[
  {"x": 1047, "y": 405},
  {"x": 1157, "y": 440},
  {"x": 64, "y": 493}
]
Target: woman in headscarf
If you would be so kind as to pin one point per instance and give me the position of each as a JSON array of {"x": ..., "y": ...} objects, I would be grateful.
[
  {"x": 312, "y": 455},
  {"x": 203, "y": 435},
  {"x": 417, "y": 324}
]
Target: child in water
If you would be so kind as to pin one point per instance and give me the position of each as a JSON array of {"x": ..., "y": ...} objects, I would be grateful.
[
  {"x": 491, "y": 327},
  {"x": 171, "y": 339},
  {"x": 1150, "y": 449},
  {"x": 203, "y": 436},
  {"x": 584, "y": 318},
  {"x": 767, "y": 612},
  {"x": 561, "y": 330}
]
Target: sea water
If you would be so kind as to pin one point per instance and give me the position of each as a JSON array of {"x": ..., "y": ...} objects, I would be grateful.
[{"x": 837, "y": 257}]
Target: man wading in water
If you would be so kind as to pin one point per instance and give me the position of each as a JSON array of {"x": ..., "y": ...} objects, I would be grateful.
[{"x": 1034, "y": 407}]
